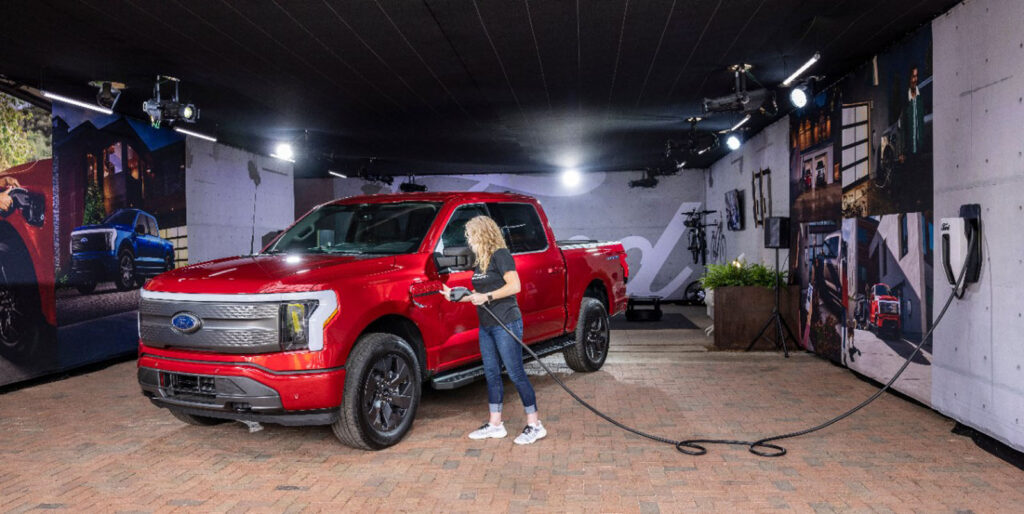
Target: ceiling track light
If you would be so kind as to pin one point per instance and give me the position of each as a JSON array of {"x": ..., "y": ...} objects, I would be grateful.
[
  {"x": 337, "y": 174},
  {"x": 195, "y": 134},
  {"x": 571, "y": 177},
  {"x": 284, "y": 152},
  {"x": 799, "y": 71},
  {"x": 798, "y": 96},
  {"x": 733, "y": 142},
  {"x": 77, "y": 103}
]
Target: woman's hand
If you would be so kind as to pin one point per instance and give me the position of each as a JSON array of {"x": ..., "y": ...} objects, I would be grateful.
[
  {"x": 446, "y": 292},
  {"x": 478, "y": 298}
]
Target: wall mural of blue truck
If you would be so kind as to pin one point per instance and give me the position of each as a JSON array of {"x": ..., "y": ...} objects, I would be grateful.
[{"x": 125, "y": 248}]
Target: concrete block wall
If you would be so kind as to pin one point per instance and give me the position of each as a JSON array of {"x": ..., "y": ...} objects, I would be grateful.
[
  {"x": 226, "y": 209},
  {"x": 769, "y": 149},
  {"x": 978, "y": 371}
]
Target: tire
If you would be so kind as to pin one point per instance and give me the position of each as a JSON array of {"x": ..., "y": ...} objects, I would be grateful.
[
  {"x": 199, "y": 421},
  {"x": 694, "y": 293},
  {"x": 126, "y": 275},
  {"x": 21, "y": 320},
  {"x": 86, "y": 287},
  {"x": 590, "y": 350},
  {"x": 383, "y": 383}
]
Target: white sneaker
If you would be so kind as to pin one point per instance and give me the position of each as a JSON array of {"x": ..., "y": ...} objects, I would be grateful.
[
  {"x": 489, "y": 431},
  {"x": 531, "y": 434}
]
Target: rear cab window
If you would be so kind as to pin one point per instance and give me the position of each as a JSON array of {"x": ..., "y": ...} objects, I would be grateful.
[{"x": 521, "y": 226}]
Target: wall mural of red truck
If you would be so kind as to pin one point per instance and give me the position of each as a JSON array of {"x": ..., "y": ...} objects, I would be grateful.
[{"x": 333, "y": 322}]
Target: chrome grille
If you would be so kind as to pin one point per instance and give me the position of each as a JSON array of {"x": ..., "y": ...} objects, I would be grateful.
[{"x": 226, "y": 327}]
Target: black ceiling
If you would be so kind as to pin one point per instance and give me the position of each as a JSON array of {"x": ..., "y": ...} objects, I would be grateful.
[{"x": 447, "y": 85}]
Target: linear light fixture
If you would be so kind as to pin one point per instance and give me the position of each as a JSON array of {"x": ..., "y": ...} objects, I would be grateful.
[
  {"x": 337, "y": 174},
  {"x": 77, "y": 103},
  {"x": 195, "y": 134},
  {"x": 740, "y": 123},
  {"x": 810, "y": 62}
]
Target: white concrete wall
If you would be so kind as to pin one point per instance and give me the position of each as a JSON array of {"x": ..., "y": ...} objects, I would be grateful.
[
  {"x": 222, "y": 198},
  {"x": 978, "y": 372},
  {"x": 769, "y": 149}
]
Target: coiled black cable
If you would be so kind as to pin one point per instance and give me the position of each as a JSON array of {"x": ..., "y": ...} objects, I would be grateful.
[{"x": 696, "y": 446}]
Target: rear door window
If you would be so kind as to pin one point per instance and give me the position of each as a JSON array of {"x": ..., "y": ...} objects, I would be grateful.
[{"x": 521, "y": 226}]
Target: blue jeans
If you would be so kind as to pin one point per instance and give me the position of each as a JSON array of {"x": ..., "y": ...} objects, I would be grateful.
[{"x": 497, "y": 347}]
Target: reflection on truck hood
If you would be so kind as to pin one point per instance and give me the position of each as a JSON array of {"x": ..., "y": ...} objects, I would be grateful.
[
  {"x": 124, "y": 228},
  {"x": 270, "y": 273}
]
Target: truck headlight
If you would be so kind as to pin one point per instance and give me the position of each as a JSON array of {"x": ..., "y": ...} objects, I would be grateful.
[{"x": 294, "y": 324}]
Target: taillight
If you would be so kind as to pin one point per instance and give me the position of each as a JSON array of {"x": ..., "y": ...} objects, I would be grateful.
[{"x": 625, "y": 267}]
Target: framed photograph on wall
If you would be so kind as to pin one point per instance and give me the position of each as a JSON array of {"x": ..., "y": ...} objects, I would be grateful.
[{"x": 734, "y": 209}]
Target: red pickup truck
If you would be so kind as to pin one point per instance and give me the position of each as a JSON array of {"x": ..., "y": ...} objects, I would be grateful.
[{"x": 335, "y": 321}]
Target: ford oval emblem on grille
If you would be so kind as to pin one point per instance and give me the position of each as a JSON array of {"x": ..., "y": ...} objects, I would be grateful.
[
  {"x": 84, "y": 239},
  {"x": 186, "y": 322}
]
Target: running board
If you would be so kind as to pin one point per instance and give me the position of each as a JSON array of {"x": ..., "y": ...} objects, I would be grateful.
[{"x": 459, "y": 377}]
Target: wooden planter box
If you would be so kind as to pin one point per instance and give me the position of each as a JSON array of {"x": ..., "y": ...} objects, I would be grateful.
[{"x": 740, "y": 312}]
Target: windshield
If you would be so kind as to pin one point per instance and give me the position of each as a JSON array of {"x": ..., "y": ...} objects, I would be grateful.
[
  {"x": 360, "y": 229},
  {"x": 120, "y": 218},
  {"x": 881, "y": 290}
]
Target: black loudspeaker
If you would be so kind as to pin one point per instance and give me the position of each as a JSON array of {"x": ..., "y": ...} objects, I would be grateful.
[{"x": 776, "y": 232}]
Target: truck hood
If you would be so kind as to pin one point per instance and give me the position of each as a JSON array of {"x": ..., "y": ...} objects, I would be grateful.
[
  {"x": 269, "y": 274},
  {"x": 124, "y": 228}
]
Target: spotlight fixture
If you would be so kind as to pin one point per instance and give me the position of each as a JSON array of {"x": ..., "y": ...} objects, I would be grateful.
[
  {"x": 571, "y": 177},
  {"x": 169, "y": 110},
  {"x": 108, "y": 92},
  {"x": 195, "y": 134},
  {"x": 284, "y": 152},
  {"x": 337, "y": 174},
  {"x": 733, "y": 142},
  {"x": 741, "y": 99},
  {"x": 798, "y": 97},
  {"x": 77, "y": 103},
  {"x": 799, "y": 71},
  {"x": 410, "y": 186},
  {"x": 649, "y": 179}
]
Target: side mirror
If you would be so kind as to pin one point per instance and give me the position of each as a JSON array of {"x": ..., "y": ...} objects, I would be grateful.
[
  {"x": 140, "y": 229},
  {"x": 454, "y": 258}
]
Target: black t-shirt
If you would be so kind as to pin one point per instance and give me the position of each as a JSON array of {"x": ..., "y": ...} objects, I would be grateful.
[{"x": 506, "y": 309}]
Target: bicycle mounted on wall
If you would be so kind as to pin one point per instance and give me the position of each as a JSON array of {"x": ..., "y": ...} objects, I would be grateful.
[{"x": 697, "y": 242}]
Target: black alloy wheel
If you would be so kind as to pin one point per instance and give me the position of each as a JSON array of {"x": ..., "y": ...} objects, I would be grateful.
[
  {"x": 125, "y": 279},
  {"x": 596, "y": 339},
  {"x": 387, "y": 394},
  {"x": 383, "y": 381},
  {"x": 593, "y": 338}
]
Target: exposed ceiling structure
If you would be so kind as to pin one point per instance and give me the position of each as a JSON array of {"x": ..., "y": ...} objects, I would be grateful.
[{"x": 448, "y": 86}]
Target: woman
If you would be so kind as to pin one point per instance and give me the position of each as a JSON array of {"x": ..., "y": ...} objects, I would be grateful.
[{"x": 496, "y": 283}]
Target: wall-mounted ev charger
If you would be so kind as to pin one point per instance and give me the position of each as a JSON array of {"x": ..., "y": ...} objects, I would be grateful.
[{"x": 957, "y": 250}]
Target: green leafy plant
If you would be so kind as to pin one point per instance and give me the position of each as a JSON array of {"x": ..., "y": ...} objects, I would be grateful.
[{"x": 741, "y": 273}]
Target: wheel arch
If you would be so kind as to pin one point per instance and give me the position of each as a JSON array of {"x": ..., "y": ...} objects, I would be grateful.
[
  {"x": 598, "y": 289},
  {"x": 400, "y": 326}
]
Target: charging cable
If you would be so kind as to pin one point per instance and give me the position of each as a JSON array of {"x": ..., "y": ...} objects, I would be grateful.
[{"x": 761, "y": 447}]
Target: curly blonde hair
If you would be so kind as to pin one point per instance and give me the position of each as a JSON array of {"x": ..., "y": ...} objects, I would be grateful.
[{"x": 484, "y": 237}]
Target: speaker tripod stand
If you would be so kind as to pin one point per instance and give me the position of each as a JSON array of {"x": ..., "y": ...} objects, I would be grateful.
[{"x": 781, "y": 327}]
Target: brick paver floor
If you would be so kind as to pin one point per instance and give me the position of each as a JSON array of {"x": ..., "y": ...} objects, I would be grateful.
[{"x": 92, "y": 443}]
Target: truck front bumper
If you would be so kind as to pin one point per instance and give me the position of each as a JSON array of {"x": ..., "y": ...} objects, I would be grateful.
[
  {"x": 93, "y": 266},
  {"x": 242, "y": 390}
]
